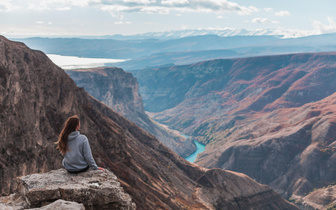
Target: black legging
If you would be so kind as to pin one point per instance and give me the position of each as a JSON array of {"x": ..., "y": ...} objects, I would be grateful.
[{"x": 80, "y": 171}]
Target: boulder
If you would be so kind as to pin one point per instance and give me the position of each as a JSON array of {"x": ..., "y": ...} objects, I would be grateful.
[{"x": 95, "y": 189}]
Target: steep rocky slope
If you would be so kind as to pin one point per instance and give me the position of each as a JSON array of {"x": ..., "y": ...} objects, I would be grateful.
[
  {"x": 36, "y": 98},
  {"x": 257, "y": 115},
  {"x": 120, "y": 91}
]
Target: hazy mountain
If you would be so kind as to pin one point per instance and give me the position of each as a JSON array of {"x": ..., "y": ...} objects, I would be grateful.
[
  {"x": 182, "y": 58},
  {"x": 130, "y": 49},
  {"x": 148, "y": 53},
  {"x": 201, "y": 32},
  {"x": 36, "y": 97},
  {"x": 256, "y": 115}
]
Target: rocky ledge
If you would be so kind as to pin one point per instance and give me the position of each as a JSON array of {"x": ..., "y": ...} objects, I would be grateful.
[
  {"x": 323, "y": 198},
  {"x": 94, "y": 189}
]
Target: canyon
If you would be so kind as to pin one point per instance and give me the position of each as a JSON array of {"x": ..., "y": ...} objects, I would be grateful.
[
  {"x": 270, "y": 117},
  {"x": 120, "y": 91},
  {"x": 36, "y": 97}
]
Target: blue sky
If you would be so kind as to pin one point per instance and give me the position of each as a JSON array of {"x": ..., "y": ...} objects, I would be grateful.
[{"x": 107, "y": 17}]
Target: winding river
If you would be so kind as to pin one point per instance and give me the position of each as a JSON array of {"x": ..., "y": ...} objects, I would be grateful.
[{"x": 200, "y": 148}]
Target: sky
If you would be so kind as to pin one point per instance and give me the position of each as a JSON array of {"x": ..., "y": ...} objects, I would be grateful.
[{"x": 128, "y": 17}]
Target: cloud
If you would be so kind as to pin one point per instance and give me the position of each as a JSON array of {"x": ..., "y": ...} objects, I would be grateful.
[
  {"x": 279, "y": 13},
  {"x": 325, "y": 28},
  {"x": 63, "y": 8},
  {"x": 59, "y": 4},
  {"x": 282, "y": 13},
  {"x": 143, "y": 6},
  {"x": 271, "y": 10},
  {"x": 120, "y": 22},
  {"x": 263, "y": 20},
  {"x": 5, "y": 6},
  {"x": 39, "y": 22},
  {"x": 167, "y": 6},
  {"x": 174, "y": 2},
  {"x": 139, "y": 1}
]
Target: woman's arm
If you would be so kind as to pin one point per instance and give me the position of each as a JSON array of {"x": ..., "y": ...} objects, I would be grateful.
[{"x": 88, "y": 155}]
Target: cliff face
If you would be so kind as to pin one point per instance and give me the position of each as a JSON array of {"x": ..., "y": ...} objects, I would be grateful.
[
  {"x": 268, "y": 117},
  {"x": 120, "y": 91},
  {"x": 36, "y": 98}
]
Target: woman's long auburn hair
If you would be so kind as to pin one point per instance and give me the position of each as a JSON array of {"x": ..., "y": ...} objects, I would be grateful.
[{"x": 70, "y": 126}]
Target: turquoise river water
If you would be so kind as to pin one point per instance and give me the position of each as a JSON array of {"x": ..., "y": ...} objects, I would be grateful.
[{"x": 200, "y": 148}]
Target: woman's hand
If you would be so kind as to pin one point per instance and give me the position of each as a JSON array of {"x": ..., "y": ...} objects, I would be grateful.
[{"x": 99, "y": 168}]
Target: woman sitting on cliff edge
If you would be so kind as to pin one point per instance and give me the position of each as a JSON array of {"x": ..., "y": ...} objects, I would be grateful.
[{"x": 75, "y": 148}]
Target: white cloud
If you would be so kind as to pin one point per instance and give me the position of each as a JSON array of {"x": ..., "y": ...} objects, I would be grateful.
[
  {"x": 5, "y": 6},
  {"x": 167, "y": 6},
  {"x": 279, "y": 13},
  {"x": 323, "y": 28},
  {"x": 174, "y": 2},
  {"x": 139, "y": 1},
  {"x": 155, "y": 10},
  {"x": 271, "y": 10},
  {"x": 63, "y": 8},
  {"x": 120, "y": 22},
  {"x": 282, "y": 13},
  {"x": 59, "y": 4},
  {"x": 39, "y": 22},
  {"x": 263, "y": 20},
  {"x": 145, "y": 6}
]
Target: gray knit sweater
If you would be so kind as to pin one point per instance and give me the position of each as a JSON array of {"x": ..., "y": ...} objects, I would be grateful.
[{"x": 78, "y": 156}]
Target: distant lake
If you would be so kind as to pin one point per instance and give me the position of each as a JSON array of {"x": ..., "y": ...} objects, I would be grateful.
[{"x": 74, "y": 62}]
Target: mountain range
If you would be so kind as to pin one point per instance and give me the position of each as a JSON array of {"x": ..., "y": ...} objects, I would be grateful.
[
  {"x": 271, "y": 117},
  {"x": 174, "y": 34},
  {"x": 149, "y": 53}
]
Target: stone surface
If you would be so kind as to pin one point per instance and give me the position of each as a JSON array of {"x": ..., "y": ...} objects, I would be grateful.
[
  {"x": 36, "y": 97},
  {"x": 120, "y": 91},
  {"x": 95, "y": 189},
  {"x": 62, "y": 205}
]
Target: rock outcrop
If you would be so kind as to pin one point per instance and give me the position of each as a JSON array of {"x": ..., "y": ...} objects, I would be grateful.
[
  {"x": 93, "y": 189},
  {"x": 268, "y": 117},
  {"x": 62, "y": 205},
  {"x": 7, "y": 204},
  {"x": 120, "y": 91},
  {"x": 36, "y": 97},
  {"x": 324, "y": 198}
]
